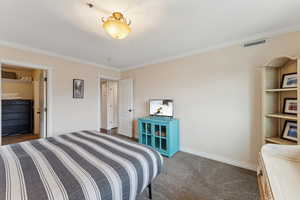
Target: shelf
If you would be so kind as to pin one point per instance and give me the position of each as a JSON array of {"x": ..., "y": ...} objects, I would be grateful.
[
  {"x": 282, "y": 116},
  {"x": 15, "y": 80},
  {"x": 277, "y": 140},
  {"x": 281, "y": 90}
]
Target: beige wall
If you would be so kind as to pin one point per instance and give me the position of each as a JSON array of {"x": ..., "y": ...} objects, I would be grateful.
[
  {"x": 24, "y": 89},
  {"x": 68, "y": 114},
  {"x": 217, "y": 97}
]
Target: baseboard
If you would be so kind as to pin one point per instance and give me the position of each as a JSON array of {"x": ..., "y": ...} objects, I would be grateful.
[{"x": 222, "y": 159}]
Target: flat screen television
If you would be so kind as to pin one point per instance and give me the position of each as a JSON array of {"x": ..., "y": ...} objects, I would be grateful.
[{"x": 161, "y": 107}]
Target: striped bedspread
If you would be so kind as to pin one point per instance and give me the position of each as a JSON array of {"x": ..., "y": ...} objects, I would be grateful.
[{"x": 76, "y": 166}]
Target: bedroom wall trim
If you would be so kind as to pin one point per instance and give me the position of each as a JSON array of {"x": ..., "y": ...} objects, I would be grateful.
[
  {"x": 222, "y": 159},
  {"x": 266, "y": 35},
  {"x": 49, "y": 88},
  {"x": 49, "y": 53},
  {"x": 101, "y": 76}
]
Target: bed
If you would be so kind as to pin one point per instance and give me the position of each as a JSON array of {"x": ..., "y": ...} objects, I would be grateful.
[{"x": 85, "y": 165}]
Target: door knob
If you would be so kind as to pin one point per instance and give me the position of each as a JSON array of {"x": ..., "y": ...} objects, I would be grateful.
[{"x": 130, "y": 110}]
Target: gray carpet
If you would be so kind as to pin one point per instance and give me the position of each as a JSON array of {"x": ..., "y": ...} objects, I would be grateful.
[{"x": 189, "y": 177}]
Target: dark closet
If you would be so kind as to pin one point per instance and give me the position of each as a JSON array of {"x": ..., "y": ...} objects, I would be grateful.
[{"x": 17, "y": 117}]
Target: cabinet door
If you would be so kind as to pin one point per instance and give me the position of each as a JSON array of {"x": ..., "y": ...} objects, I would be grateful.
[
  {"x": 146, "y": 133},
  {"x": 160, "y": 137},
  {"x": 157, "y": 139},
  {"x": 142, "y": 132},
  {"x": 149, "y": 131},
  {"x": 164, "y": 137}
]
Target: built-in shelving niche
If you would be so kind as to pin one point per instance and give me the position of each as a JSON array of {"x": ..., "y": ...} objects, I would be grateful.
[{"x": 273, "y": 96}]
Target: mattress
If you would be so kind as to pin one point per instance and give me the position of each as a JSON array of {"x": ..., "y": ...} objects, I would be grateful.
[
  {"x": 77, "y": 166},
  {"x": 282, "y": 163}
]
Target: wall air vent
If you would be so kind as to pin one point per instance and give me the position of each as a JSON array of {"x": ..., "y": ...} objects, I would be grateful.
[{"x": 254, "y": 43}]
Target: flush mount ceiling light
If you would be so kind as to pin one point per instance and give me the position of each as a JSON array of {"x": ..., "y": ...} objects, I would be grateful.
[{"x": 116, "y": 25}]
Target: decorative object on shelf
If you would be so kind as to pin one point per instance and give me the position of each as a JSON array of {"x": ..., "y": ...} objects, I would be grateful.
[
  {"x": 160, "y": 133},
  {"x": 8, "y": 75},
  {"x": 290, "y": 131},
  {"x": 290, "y": 106},
  {"x": 289, "y": 80},
  {"x": 78, "y": 88},
  {"x": 25, "y": 78}
]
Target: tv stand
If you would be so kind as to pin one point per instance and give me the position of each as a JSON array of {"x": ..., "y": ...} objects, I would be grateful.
[{"x": 160, "y": 133}]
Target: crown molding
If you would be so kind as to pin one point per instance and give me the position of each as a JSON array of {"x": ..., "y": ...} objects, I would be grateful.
[
  {"x": 52, "y": 54},
  {"x": 265, "y": 35}
]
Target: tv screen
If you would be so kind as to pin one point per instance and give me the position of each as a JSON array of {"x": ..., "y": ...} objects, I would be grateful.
[{"x": 161, "y": 107}]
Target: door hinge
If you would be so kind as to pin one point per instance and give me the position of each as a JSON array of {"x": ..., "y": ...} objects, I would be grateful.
[
  {"x": 45, "y": 109},
  {"x": 46, "y": 79}
]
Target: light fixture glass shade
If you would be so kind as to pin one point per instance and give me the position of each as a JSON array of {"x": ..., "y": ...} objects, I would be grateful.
[
  {"x": 116, "y": 29},
  {"x": 116, "y": 26}
]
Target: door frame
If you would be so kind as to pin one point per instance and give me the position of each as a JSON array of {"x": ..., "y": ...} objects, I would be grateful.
[
  {"x": 49, "y": 91},
  {"x": 101, "y": 76}
]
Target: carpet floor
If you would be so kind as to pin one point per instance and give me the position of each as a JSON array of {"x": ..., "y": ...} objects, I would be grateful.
[{"x": 189, "y": 177}]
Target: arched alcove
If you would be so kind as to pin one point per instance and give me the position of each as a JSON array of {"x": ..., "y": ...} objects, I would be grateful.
[{"x": 280, "y": 83}]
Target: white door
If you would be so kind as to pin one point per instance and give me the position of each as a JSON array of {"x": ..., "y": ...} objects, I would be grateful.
[
  {"x": 43, "y": 104},
  {"x": 112, "y": 104},
  {"x": 125, "y": 107},
  {"x": 104, "y": 104},
  {"x": 115, "y": 105}
]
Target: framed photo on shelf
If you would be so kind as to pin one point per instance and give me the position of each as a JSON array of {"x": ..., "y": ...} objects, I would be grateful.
[
  {"x": 290, "y": 106},
  {"x": 290, "y": 131},
  {"x": 289, "y": 80},
  {"x": 78, "y": 88}
]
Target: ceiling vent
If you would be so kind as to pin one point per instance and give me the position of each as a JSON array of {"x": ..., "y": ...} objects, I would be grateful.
[{"x": 254, "y": 43}]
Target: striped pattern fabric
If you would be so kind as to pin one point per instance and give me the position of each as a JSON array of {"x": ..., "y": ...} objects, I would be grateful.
[{"x": 82, "y": 165}]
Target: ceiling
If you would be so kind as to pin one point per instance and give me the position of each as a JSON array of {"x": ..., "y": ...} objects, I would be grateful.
[{"x": 161, "y": 29}]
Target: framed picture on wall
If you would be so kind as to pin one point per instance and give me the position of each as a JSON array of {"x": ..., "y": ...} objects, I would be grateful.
[
  {"x": 289, "y": 80},
  {"x": 78, "y": 88},
  {"x": 290, "y": 106},
  {"x": 290, "y": 131}
]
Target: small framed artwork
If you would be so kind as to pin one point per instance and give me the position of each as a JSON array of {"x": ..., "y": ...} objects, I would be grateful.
[
  {"x": 78, "y": 88},
  {"x": 289, "y": 80},
  {"x": 290, "y": 131},
  {"x": 290, "y": 106}
]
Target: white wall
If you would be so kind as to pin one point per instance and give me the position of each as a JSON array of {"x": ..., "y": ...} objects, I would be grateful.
[
  {"x": 68, "y": 114},
  {"x": 217, "y": 97}
]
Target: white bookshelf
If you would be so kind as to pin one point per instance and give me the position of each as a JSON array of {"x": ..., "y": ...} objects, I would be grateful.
[
  {"x": 281, "y": 90},
  {"x": 16, "y": 80},
  {"x": 273, "y": 96}
]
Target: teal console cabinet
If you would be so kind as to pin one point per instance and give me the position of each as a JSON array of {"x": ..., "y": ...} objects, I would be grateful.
[{"x": 160, "y": 133}]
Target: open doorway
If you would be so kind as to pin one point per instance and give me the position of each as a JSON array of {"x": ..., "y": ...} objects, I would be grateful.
[
  {"x": 23, "y": 92},
  {"x": 109, "y": 106}
]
